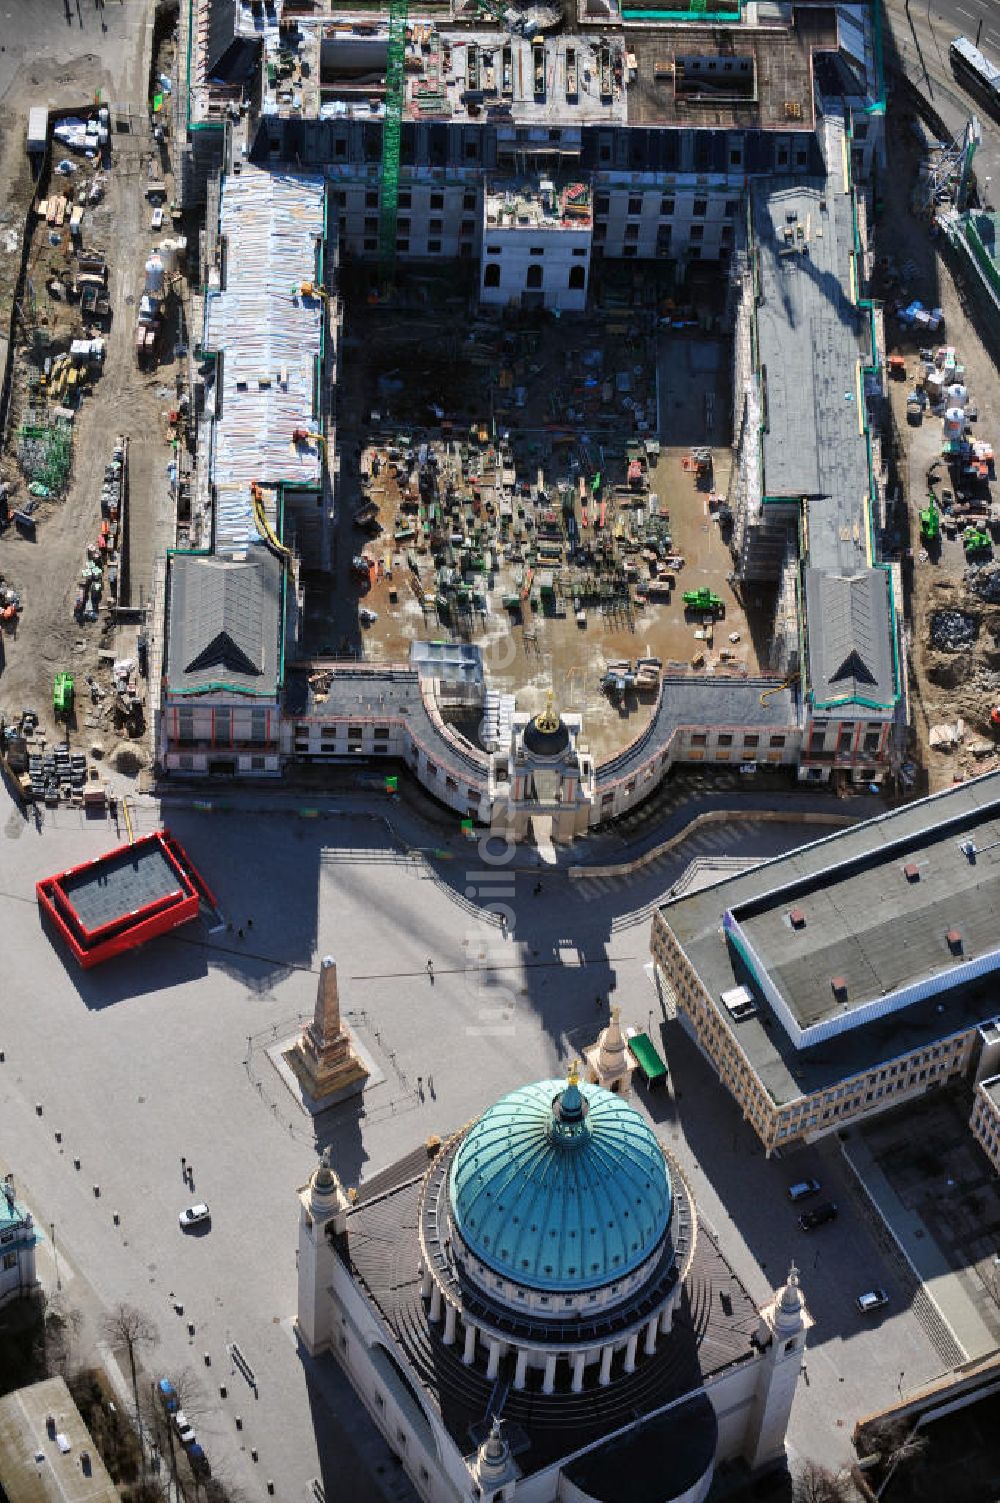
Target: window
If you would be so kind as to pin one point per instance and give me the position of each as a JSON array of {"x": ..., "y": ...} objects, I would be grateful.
[
  {"x": 735, "y": 156},
  {"x": 468, "y": 201},
  {"x": 776, "y": 741},
  {"x": 666, "y": 207},
  {"x": 577, "y": 278},
  {"x": 370, "y": 243},
  {"x": 725, "y": 739},
  {"x": 435, "y": 227},
  {"x": 697, "y": 232},
  {"x": 635, "y": 205},
  {"x": 601, "y": 203},
  {"x": 371, "y": 226},
  {"x": 185, "y": 725},
  {"x": 751, "y": 740},
  {"x": 10, "y": 1260},
  {"x": 437, "y": 201},
  {"x": 405, "y": 200},
  {"x": 534, "y": 278},
  {"x": 632, "y": 232},
  {"x": 491, "y": 274},
  {"x": 257, "y": 764},
  {"x": 403, "y": 224},
  {"x": 403, "y": 244},
  {"x": 782, "y": 156},
  {"x": 872, "y": 739},
  {"x": 493, "y": 250},
  {"x": 371, "y": 199},
  {"x": 732, "y": 208},
  {"x": 630, "y": 250},
  {"x": 537, "y": 250},
  {"x": 699, "y": 208},
  {"x": 580, "y": 252},
  {"x": 340, "y": 147},
  {"x": 468, "y": 229},
  {"x": 699, "y": 739},
  {"x": 433, "y": 247},
  {"x": 222, "y": 728}
]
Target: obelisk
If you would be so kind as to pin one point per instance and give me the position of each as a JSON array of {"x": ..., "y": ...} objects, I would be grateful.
[{"x": 323, "y": 1057}]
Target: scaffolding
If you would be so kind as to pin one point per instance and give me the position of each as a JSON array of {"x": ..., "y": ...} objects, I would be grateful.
[
  {"x": 394, "y": 88},
  {"x": 45, "y": 454}
]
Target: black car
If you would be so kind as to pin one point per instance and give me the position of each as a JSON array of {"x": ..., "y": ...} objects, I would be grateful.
[{"x": 818, "y": 1216}]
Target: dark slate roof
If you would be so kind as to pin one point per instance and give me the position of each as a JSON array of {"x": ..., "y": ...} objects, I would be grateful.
[
  {"x": 229, "y": 58},
  {"x": 850, "y": 638},
  {"x": 669, "y": 1452},
  {"x": 224, "y": 624},
  {"x": 713, "y": 1324}
]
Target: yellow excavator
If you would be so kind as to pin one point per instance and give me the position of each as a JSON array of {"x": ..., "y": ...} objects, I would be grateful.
[{"x": 778, "y": 688}]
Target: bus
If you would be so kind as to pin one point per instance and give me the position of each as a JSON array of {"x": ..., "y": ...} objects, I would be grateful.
[{"x": 975, "y": 72}]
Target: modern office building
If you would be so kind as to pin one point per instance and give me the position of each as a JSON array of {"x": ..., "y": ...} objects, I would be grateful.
[{"x": 849, "y": 975}]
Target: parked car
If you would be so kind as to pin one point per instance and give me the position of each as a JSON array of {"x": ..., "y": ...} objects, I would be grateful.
[
  {"x": 167, "y": 1395},
  {"x": 199, "y": 1461},
  {"x": 184, "y": 1428},
  {"x": 818, "y": 1216},
  {"x": 194, "y": 1216},
  {"x": 872, "y": 1300},
  {"x": 156, "y": 220},
  {"x": 804, "y": 1188}
]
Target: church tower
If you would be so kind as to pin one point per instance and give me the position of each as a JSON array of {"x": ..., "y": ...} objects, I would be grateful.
[
  {"x": 784, "y": 1323},
  {"x": 323, "y": 1214}
]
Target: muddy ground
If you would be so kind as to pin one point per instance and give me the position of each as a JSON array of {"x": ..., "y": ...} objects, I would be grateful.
[{"x": 965, "y": 683}]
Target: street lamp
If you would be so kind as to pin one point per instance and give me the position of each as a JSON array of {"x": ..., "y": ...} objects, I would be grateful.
[
  {"x": 55, "y": 1254},
  {"x": 899, "y": 1384}
]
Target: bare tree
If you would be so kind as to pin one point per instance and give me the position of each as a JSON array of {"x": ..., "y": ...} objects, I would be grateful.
[
  {"x": 131, "y": 1329},
  {"x": 62, "y": 1330},
  {"x": 817, "y": 1484}
]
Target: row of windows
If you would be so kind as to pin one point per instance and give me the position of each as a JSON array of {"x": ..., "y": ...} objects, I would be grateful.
[
  {"x": 725, "y": 738},
  {"x": 640, "y": 203},
  {"x": 533, "y": 278}
]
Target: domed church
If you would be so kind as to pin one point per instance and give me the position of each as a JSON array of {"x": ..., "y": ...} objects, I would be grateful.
[{"x": 532, "y": 1310}]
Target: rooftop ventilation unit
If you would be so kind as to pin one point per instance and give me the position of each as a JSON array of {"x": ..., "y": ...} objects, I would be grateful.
[
  {"x": 839, "y": 985},
  {"x": 954, "y": 938},
  {"x": 911, "y": 872},
  {"x": 739, "y": 1003},
  {"x": 796, "y": 918}
]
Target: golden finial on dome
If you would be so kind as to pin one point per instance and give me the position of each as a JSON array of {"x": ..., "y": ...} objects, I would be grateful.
[
  {"x": 573, "y": 1073},
  {"x": 548, "y": 719}
]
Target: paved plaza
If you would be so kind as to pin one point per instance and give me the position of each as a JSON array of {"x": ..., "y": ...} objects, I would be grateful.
[{"x": 165, "y": 1052}]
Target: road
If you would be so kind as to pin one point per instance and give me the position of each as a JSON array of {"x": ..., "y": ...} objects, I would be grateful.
[
  {"x": 164, "y": 1053},
  {"x": 923, "y": 33}
]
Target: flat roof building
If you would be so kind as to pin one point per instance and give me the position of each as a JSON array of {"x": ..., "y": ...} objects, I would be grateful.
[
  {"x": 46, "y": 1451},
  {"x": 834, "y": 981}
]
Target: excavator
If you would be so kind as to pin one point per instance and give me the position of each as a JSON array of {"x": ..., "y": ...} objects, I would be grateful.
[
  {"x": 306, "y": 436},
  {"x": 310, "y": 289}
]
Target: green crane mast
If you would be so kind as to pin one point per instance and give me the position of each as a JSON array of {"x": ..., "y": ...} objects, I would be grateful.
[{"x": 389, "y": 203}]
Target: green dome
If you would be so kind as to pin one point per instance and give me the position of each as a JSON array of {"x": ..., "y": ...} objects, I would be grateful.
[{"x": 561, "y": 1186}]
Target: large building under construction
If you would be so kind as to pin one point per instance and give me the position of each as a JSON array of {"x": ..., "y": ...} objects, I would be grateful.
[{"x": 537, "y": 144}]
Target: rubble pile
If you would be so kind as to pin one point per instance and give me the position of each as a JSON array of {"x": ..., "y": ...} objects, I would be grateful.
[
  {"x": 985, "y": 582},
  {"x": 953, "y": 631}
]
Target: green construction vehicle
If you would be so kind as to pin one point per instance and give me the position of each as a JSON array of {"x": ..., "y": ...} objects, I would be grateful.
[
  {"x": 62, "y": 694},
  {"x": 930, "y": 522},
  {"x": 975, "y": 540},
  {"x": 703, "y": 601}
]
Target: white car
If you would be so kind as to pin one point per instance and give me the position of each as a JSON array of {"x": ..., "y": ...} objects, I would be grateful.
[
  {"x": 184, "y": 1428},
  {"x": 872, "y": 1300},
  {"x": 194, "y": 1216},
  {"x": 156, "y": 223}
]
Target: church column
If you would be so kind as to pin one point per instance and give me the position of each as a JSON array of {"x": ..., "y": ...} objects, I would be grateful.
[
  {"x": 493, "y": 1365},
  {"x": 549, "y": 1380},
  {"x": 666, "y": 1318},
  {"x": 469, "y": 1354},
  {"x": 436, "y": 1302},
  {"x": 650, "y": 1346},
  {"x": 604, "y": 1378},
  {"x": 426, "y": 1283},
  {"x": 630, "y": 1351},
  {"x": 450, "y": 1321},
  {"x": 579, "y": 1363},
  {"x": 521, "y": 1370}
]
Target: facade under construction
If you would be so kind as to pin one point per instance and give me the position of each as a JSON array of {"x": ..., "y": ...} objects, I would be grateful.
[{"x": 538, "y": 147}]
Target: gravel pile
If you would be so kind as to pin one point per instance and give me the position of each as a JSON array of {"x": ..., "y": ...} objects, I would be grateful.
[{"x": 953, "y": 631}]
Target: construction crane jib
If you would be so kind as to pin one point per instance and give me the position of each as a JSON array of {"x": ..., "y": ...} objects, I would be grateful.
[{"x": 394, "y": 87}]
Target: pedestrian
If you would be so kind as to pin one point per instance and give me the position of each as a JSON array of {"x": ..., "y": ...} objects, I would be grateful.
[
  {"x": 537, "y": 888},
  {"x": 430, "y": 969},
  {"x": 183, "y": 1165},
  {"x": 249, "y": 923},
  {"x": 239, "y": 933},
  {"x": 503, "y": 925},
  {"x": 430, "y": 1084}
]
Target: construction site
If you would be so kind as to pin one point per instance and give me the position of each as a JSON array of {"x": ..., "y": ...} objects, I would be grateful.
[{"x": 554, "y": 494}]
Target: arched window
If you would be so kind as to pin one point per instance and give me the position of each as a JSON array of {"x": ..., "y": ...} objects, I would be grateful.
[
  {"x": 577, "y": 278},
  {"x": 491, "y": 276},
  {"x": 534, "y": 278}
]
